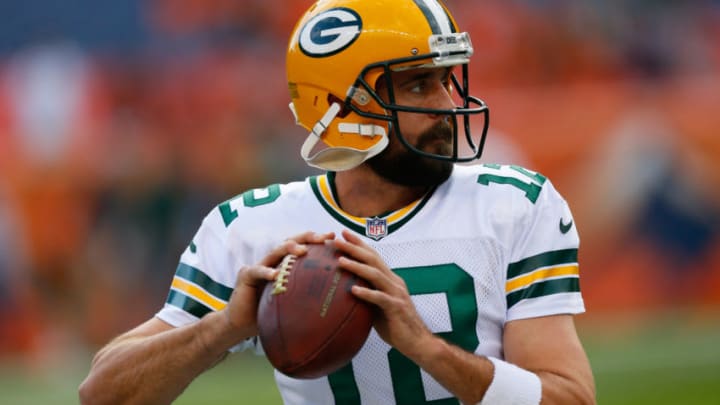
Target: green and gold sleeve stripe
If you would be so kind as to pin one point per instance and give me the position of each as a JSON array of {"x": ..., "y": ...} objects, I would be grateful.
[
  {"x": 195, "y": 292},
  {"x": 562, "y": 285},
  {"x": 544, "y": 274},
  {"x": 187, "y": 304},
  {"x": 532, "y": 263},
  {"x": 535, "y": 276},
  {"x": 201, "y": 279}
]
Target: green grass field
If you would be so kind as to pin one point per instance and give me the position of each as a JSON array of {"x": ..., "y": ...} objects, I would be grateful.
[{"x": 668, "y": 362}]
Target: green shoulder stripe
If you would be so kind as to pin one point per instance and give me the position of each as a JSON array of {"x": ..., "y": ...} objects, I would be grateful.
[
  {"x": 546, "y": 259},
  {"x": 196, "y": 276},
  {"x": 562, "y": 285},
  {"x": 187, "y": 304}
]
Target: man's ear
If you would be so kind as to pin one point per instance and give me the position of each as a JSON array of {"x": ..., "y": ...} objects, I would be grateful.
[{"x": 344, "y": 110}]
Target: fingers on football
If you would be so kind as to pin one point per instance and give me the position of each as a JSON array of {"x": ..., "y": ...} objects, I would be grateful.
[
  {"x": 355, "y": 248},
  {"x": 312, "y": 237},
  {"x": 294, "y": 245},
  {"x": 372, "y": 296},
  {"x": 372, "y": 273},
  {"x": 353, "y": 238},
  {"x": 254, "y": 275}
]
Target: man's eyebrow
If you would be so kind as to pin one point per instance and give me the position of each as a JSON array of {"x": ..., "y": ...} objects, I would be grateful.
[
  {"x": 416, "y": 77},
  {"x": 424, "y": 75}
]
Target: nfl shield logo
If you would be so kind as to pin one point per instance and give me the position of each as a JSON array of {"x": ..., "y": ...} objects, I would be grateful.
[{"x": 376, "y": 228}]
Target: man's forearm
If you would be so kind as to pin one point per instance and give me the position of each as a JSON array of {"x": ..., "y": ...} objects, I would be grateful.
[
  {"x": 464, "y": 374},
  {"x": 156, "y": 369},
  {"x": 468, "y": 376}
]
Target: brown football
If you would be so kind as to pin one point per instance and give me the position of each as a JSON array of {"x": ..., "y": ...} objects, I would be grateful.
[{"x": 309, "y": 323}]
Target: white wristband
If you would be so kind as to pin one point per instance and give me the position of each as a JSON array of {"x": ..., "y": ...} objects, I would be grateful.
[{"x": 512, "y": 385}]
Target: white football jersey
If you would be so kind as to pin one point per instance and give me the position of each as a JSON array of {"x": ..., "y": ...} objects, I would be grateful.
[{"x": 493, "y": 243}]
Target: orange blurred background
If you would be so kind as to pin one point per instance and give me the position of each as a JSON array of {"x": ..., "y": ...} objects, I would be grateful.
[{"x": 122, "y": 126}]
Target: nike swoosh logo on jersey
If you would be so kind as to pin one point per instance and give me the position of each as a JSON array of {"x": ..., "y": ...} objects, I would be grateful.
[{"x": 565, "y": 228}]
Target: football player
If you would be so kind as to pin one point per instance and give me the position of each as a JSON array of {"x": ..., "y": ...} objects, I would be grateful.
[{"x": 473, "y": 268}]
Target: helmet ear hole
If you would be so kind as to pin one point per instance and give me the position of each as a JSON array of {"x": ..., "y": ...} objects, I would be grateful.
[{"x": 344, "y": 109}]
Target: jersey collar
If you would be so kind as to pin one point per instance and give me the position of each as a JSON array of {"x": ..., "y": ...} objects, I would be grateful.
[{"x": 376, "y": 227}]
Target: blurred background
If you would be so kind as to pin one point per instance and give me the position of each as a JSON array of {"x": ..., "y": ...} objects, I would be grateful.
[{"x": 122, "y": 123}]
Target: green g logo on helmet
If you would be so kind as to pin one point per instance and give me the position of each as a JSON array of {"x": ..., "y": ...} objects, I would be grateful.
[{"x": 330, "y": 32}]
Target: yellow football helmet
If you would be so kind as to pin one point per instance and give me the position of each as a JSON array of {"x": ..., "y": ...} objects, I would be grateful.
[{"x": 338, "y": 51}]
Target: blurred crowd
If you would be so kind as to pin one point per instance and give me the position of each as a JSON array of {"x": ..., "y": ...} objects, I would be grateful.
[{"x": 116, "y": 139}]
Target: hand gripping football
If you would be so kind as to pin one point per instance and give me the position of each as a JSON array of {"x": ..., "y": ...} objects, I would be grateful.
[{"x": 309, "y": 322}]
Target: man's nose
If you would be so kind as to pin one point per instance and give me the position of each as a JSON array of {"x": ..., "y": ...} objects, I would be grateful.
[{"x": 441, "y": 98}]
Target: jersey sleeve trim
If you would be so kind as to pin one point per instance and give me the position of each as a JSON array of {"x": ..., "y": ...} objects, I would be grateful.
[
  {"x": 521, "y": 282},
  {"x": 532, "y": 263},
  {"x": 541, "y": 275},
  {"x": 188, "y": 304},
  {"x": 195, "y": 292},
  {"x": 544, "y": 288},
  {"x": 202, "y": 280}
]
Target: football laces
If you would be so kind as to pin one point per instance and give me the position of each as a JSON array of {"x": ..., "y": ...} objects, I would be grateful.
[{"x": 279, "y": 286}]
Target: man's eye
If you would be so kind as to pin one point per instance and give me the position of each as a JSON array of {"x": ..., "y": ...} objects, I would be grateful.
[{"x": 418, "y": 87}]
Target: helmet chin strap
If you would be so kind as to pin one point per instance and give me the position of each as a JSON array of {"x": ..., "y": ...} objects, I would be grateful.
[{"x": 338, "y": 158}]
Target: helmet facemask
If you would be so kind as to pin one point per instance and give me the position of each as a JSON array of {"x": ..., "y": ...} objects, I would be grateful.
[
  {"x": 336, "y": 55},
  {"x": 444, "y": 55}
]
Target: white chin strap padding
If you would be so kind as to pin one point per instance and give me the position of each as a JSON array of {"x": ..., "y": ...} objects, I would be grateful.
[
  {"x": 337, "y": 159},
  {"x": 340, "y": 158},
  {"x": 361, "y": 129}
]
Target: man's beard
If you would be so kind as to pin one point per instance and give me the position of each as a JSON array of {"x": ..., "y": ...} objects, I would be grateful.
[{"x": 402, "y": 166}]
